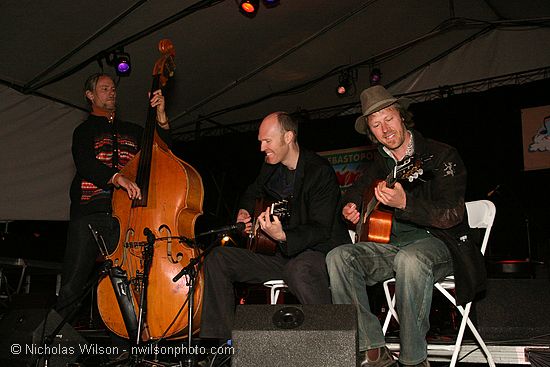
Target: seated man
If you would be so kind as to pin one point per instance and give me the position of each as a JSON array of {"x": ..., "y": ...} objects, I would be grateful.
[
  {"x": 428, "y": 229},
  {"x": 315, "y": 227}
]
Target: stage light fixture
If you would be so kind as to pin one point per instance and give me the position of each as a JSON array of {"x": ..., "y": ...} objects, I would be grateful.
[
  {"x": 346, "y": 83},
  {"x": 270, "y": 3},
  {"x": 343, "y": 86},
  {"x": 122, "y": 63},
  {"x": 249, "y": 7},
  {"x": 375, "y": 77}
]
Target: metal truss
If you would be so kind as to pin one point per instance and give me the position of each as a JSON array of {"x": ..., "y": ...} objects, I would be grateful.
[{"x": 355, "y": 107}]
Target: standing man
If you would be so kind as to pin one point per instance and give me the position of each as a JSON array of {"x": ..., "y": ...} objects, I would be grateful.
[
  {"x": 102, "y": 145},
  {"x": 429, "y": 225},
  {"x": 315, "y": 227}
]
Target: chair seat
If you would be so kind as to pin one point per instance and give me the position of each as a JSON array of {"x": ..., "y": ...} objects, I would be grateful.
[{"x": 448, "y": 282}]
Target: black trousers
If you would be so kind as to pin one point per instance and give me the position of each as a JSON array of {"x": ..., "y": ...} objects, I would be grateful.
[
  {"x": 80, "y": 257},
  {"x": 306, "y": 276}
]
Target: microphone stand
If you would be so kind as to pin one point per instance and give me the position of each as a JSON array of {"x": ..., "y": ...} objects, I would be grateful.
[
  {"x": 191, "y": 271},
  {"x": 148, "y": 252}
]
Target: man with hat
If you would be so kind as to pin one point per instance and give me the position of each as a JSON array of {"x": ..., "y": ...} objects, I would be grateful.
[{"x": 429, "y": 224}]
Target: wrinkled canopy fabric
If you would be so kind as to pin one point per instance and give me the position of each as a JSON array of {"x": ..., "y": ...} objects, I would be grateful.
[
  {"x": 36, "y": 162},
  {"x": 35, "y": 133}
]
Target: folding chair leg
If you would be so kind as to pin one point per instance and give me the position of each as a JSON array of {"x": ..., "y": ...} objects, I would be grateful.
[
  {"x": 386, "y": 322},
  {"x": 481, "y": 343},
  {"x": 465, "y": 312},
  {"x": 276, "y": 286},
  {"x": 391, "y": 307},
  {"x": 466, "y": 321},
  {"x": 274, "y": 295}
]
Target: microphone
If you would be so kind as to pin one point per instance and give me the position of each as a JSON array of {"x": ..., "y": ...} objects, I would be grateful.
[
  {"x": 187, "y": 269},
  {"x": 240, "y": 226},
  {"x": 493, "y": 191}
]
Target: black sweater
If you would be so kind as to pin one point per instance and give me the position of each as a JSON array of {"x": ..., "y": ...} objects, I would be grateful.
[{"x": 92, "y": 149}]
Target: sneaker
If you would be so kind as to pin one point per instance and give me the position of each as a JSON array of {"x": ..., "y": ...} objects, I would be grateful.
[{"x": 385, "y": 359}]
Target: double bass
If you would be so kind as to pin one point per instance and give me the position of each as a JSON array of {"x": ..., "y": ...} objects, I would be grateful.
[{"x": 149, "y": 253}]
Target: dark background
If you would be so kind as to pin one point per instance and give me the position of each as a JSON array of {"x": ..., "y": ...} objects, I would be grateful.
[{"x": 485, "y": 127}]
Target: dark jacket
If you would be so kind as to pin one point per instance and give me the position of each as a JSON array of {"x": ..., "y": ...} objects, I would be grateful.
[
  {"x": 315, "y": 220},
  {"x": 435, "y": 202}
]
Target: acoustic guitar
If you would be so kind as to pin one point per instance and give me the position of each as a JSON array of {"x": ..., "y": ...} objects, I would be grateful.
[
  {"x": 258, "y": 240},
  {"x": 376, "y": 221}
]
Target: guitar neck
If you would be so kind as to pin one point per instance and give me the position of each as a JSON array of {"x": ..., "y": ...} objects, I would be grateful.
[
  {"x": 390, "y": 182},
  {"x": 391, "y": 179}
]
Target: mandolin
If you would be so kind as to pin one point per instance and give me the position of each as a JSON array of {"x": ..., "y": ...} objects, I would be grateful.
[
  {"x": 376, "y": 221},
  {"x": 258, "y": 240}
]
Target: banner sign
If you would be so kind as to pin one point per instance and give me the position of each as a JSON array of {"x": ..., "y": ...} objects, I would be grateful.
[
  {"x": 348, "y": 163},
  {"x": 536, "y": 137}
]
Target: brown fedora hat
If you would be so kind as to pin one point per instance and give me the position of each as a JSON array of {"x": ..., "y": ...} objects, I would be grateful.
[{"x": 374, "y": 99}]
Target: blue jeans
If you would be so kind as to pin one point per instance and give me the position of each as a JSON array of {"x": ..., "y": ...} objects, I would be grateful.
[{"x": 416, "y": 267}]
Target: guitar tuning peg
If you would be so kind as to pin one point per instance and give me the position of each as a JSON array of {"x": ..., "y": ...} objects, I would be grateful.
[
  {"x": 420, "y": 171},
  {"x": 410, "y": 178}
]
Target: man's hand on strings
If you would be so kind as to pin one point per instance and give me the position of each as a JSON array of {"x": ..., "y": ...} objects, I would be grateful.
[
  {"x": 273, "y": 228},
  {"x": 119, "y": 180},
  {"x": 394, "y": 197}
]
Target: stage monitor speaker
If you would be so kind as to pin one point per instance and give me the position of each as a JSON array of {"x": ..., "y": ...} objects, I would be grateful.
[
  {"x": 295, "y": 335},
  {"x": 22, "y": 334},
  {"x": 514, "y": 309}
]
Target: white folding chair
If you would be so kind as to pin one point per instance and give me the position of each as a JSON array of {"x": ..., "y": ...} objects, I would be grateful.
[
  {"x": 481, "y": 214},
  {"x": 278, "y": 285}
]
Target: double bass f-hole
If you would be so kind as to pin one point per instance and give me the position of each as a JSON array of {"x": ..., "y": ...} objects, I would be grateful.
[{"x": 164, "y": 229}]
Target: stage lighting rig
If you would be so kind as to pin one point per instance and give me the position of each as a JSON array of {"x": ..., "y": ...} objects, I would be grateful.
[
  {"x": 346, "y": 83},
  {"x": 271, "y": 3},
  {"x": 121, "y": 62},
  {"x": 375, "y": 77},
  {"x": 249, "y": 8}
]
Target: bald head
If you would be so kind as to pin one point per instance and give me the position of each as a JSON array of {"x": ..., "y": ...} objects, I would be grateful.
[{"x": 277, "y": 136}]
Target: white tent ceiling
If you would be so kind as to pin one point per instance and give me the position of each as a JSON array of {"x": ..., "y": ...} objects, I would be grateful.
[{"x": 231, "y": 68}]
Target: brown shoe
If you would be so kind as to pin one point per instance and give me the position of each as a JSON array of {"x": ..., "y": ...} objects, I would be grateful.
[{"x": 385, "y": 359}]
